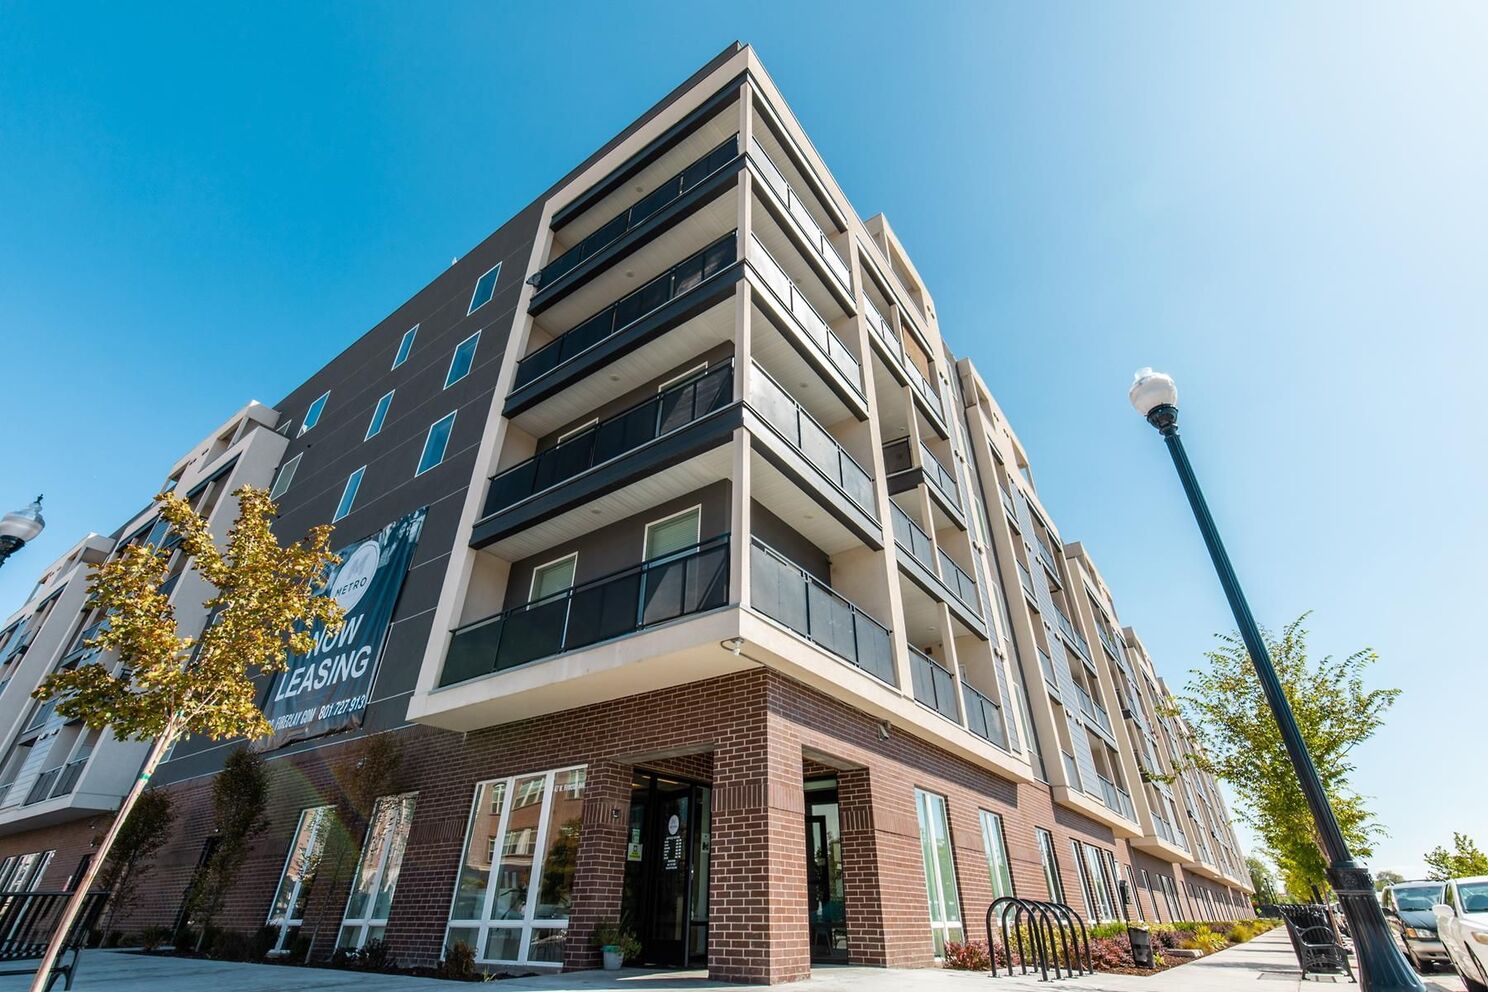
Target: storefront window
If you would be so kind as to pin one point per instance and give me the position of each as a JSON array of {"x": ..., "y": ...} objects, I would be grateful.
[
  {"x": 940, "y": 870},
  {"x": 377, "y": 871},
  {"x": 288, "y": 911},
  {"x": 997, "y": 857},
  {"x": 512, "y": 898}
]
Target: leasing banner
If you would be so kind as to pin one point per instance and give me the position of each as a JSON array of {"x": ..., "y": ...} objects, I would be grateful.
[{"x": 326, "y": 691}]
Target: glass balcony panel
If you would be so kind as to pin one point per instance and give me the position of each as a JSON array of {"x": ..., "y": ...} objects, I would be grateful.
[
  {"x": 897, "y": 457},
  {"x": 780, "y": 410},
  {"x": 783, "y": 190},
  {"x": 940, "y": 476},
  {"x": 875, "y": 651},
  {"x": 983, "y": 716},
  {"x": 933, "y": 685},
  {"x": 816, "y": 329}
]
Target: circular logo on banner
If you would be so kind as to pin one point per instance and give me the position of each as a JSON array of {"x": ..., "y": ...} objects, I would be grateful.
[
  {"x": 355, "y": 576},
  {"x": 673, "y": 825}
]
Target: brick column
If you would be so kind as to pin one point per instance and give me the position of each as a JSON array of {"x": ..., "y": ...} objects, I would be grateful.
[
  {"x": 860, "y": 872},
  {"x": 599, "y": 870},
  {"x": 757, "y": 930}
]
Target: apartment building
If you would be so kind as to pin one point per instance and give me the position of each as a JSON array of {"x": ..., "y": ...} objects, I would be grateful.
[{"x": 730, "y": 609}]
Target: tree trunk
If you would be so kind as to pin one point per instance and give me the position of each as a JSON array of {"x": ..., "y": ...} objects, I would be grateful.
[{"x": 80, "y": 893}]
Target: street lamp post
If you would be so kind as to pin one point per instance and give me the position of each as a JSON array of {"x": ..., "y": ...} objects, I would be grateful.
[
  {"x": 1382, "y": 968},
  {"x": 18, "y": 527}
]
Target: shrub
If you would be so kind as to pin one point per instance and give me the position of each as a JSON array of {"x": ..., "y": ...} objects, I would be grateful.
[
  {"x": 458, "y": 963},
  {"x": 1206, "y": 940},
  {"x": 611, "y": 934},
  {"x": 1108, "y": 953},
  {"x": 1239, "y": 933},
  {"x": 230, "y": 945},
  {"x": 152, "y": 938},
  {"x": 971, "y": 955},
  {"x": 1101, "y": 930}
]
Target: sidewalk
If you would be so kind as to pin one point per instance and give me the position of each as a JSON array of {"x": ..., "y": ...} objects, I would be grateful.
[{"x": 1268, "y": 959}]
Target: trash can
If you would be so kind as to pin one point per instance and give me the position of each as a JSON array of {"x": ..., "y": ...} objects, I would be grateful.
[{"x": 1141, "y": 945}]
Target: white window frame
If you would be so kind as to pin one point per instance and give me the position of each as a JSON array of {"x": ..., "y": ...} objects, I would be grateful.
[
  {"x": 379, "y": 415},
  {"x": 997, "y": 853},
  {"x": 946, "y": 929},
  {"x": 495, "y": 273},
  {"x": 349, "y": 494},
  {"x": 285, "y": 477},
  {"x": 572, "y": 556},
  {"x": 313, "y": 412},
  {"x": 1049, "y": 861},
  {"x": 405, "y": 346},
  {"x": 528, "y": 925},
  {"x": 428, "y": 436},
  {"x": 683, "y": 377},
  {"x": 363, "y": 925},
  {"x": 575, "y": 431},
  {"x": 646, "y": 533},
  {"x": 318, "y": 828},
  {"x": 449, "y": 377}
]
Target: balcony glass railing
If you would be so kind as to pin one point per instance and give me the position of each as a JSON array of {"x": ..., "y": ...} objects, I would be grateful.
[
  {"x": 940, "y": 477},
  {"x": 786, "y": 592},
  {"x": 666, "y": 191},
  {"x": 686, "y": 275},
  {"x": 802, "y": 432},
  {"x": 897, "y": 457},
  {"x": 909, "y": 536},
  {"x": 41, "y": 716},
  {"x": 643, "y": 595},
  {"x": 41, "y": 789},
  {"x": 815, "y": 236},
  {"x": 68, "y": 780},
  {"x": 1067, "y": 626},
  {"x": 1116, "y": 798},
  {"x": 983, "y": 716},
  {"x": 961, "y": 585},
  {"x": 1025, "y": 578},
  {"x": 1047, "y": 664},
  {"x": 1071, "y": 770},
  {"x": 80, "y": 643},
  {"x": 792, "y": 299},
  {"x": 885, "y": 332},
  {"x": 1007, "y": 503},
  {"x": 923, "y": 386},
  {"x": 933, "y": 685},
  {"x": 1046, "y": 555},
  {"x": 614, "y": 437}
]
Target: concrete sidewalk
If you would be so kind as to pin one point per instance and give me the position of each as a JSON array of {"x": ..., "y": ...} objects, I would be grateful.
[{"x": 1266, "y": 959}]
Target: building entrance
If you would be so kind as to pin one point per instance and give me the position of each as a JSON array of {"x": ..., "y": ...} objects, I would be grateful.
[
  {"x": 666, "y": 869},
  {"x": 826, "y": 909}
]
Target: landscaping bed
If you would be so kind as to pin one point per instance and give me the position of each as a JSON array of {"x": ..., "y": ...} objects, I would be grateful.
[{"x": 1110, "y": 947}]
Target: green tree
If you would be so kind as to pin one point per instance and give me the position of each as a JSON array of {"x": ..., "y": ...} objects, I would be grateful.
[
  {"x": 1261, "y": 879},
  {"x": 1463, "y": 861},
  {"x": 1386, "y": 878},
  {"x": 240, "y": 794},
  {"x": 144, "y": 833},
  {"x": 1335, "y": 709},
  {"x": 265, "y": 606}
]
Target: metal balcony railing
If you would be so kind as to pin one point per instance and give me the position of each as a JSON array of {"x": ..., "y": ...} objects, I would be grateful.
[
  {"x": 1068, "y": 627},
  {"x": 80, "y": 643},
  {"x": 802, "y": 431},
  {"x": 909, "y": 536},
  {"x": 1007, "y": 503},
  {"x": 41, "y": 789},
  {"x": 1117, "y": 799},
  {"x": 794, "y": 205},
  {"x": 68, "y": 780},
  {"x": 940, "y": 477},
  {"x": 817, "y": 331},
  {"x": 680, "y": 278},
  {"x": 881, "y": 327},
  {"x": 668, "y": 190},
  {"x": 786, "y": 592},
  {"x": 1071, "y": 769},
  {"x": 614, "y": 437},
  {"x": 959, "y": 582},
  {"x": 1047, "y": 664},
  {"x": 934, "y": 686},
  {"x": 1025, "y": 578},
  {"x": 624, "y": 602},
  {"x": 983, "y": 716},
  {"x": 42, "y": 714}
]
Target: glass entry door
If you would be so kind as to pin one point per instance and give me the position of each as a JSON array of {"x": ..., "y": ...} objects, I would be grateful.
[
  {"x": 666, "y": 869},
  {"x": 826, "y": 909}
]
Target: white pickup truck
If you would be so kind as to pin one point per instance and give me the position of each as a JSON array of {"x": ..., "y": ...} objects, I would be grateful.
[{"x": 1462, "y": 924}]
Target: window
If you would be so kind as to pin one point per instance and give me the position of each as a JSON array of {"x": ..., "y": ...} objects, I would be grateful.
[
  {"x": 435, "y": 443},
  {"x": 485, "y": 288},
  {"x": 284, "y": 478},
  {"x": 1092, "y": 870},
  {"x": 997, "y": 857},
  {"x": 287, "y": 913},
  {"x": 940, "y": 870},
  {"x": 312, "y": 415},
  {"x": 672, "y": 534},
  {"x": 553, "y": 577},
  {"x": 1152, "y": 895},
  {"x": 1050, "y": 862},
  {"x": 405, "y": 346},
  {"x": 462, "y": 359},
  {"x": 1170, "y": 896},
  {"x": 377, "y": 872},
  {"x": 379, "y": 414},
  {"x": 513, "y": 892},
  {"x": 348, "y": 495}
]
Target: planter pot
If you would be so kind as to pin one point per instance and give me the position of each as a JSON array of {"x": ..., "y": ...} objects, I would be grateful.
[{"x": 613, "y": 958}]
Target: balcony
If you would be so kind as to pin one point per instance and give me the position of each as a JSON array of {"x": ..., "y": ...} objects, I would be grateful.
[
  {"x": 637, "y": 446},
  {"x": 934, "y": 686},
  {"x": 816, "y": 239},
  {"x": 938, "y": 566},
  {"x": 624, "y": 602},
  {"x": 799, "y": 429},
  {"x": 812, "y": 326},
  {"x": 80, "y": 648},
  {"x": 1071, "y": 770},
  {"x": 1108, "y": 641},
  {"x": 658, "y": 305},
  {"x": 1025, "y": 579},
  {"x": 1092, "y": 709},
  {"x": 983, "y": 716},
  {"x": 1067, "y": 627},
  {"x": 1008, "y": 506},
  {"x": 1047, "y": 665},
  {"x": 904, "y": 474},
  {"x": 885, "y": 334},
  {"x": 787, "y": 593},
  {"x": 1117, "y": 798},
  {"x": 41, "y": 789},
  {"x": 41, "y": 716},
  {"x": 670, "y": 200}
]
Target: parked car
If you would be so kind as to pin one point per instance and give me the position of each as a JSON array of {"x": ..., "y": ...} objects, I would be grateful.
[
  {"x": 1462, "y": 922},
  {"x": 1408, "y": 911}
]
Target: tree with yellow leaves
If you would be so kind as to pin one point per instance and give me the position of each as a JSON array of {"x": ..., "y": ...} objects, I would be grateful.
[{"x": 266, "y": 606}]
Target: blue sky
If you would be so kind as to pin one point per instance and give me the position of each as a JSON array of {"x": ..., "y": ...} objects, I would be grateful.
[{"x": 1285, "y": 208}]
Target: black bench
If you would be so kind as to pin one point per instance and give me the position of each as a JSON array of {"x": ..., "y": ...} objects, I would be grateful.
[
  {"x": 27, "y": 922},
  {"x": 1316, "y": 944}
]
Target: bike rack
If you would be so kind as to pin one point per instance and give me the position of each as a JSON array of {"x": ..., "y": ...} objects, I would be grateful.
[{"x": 1055, "y": 934}]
